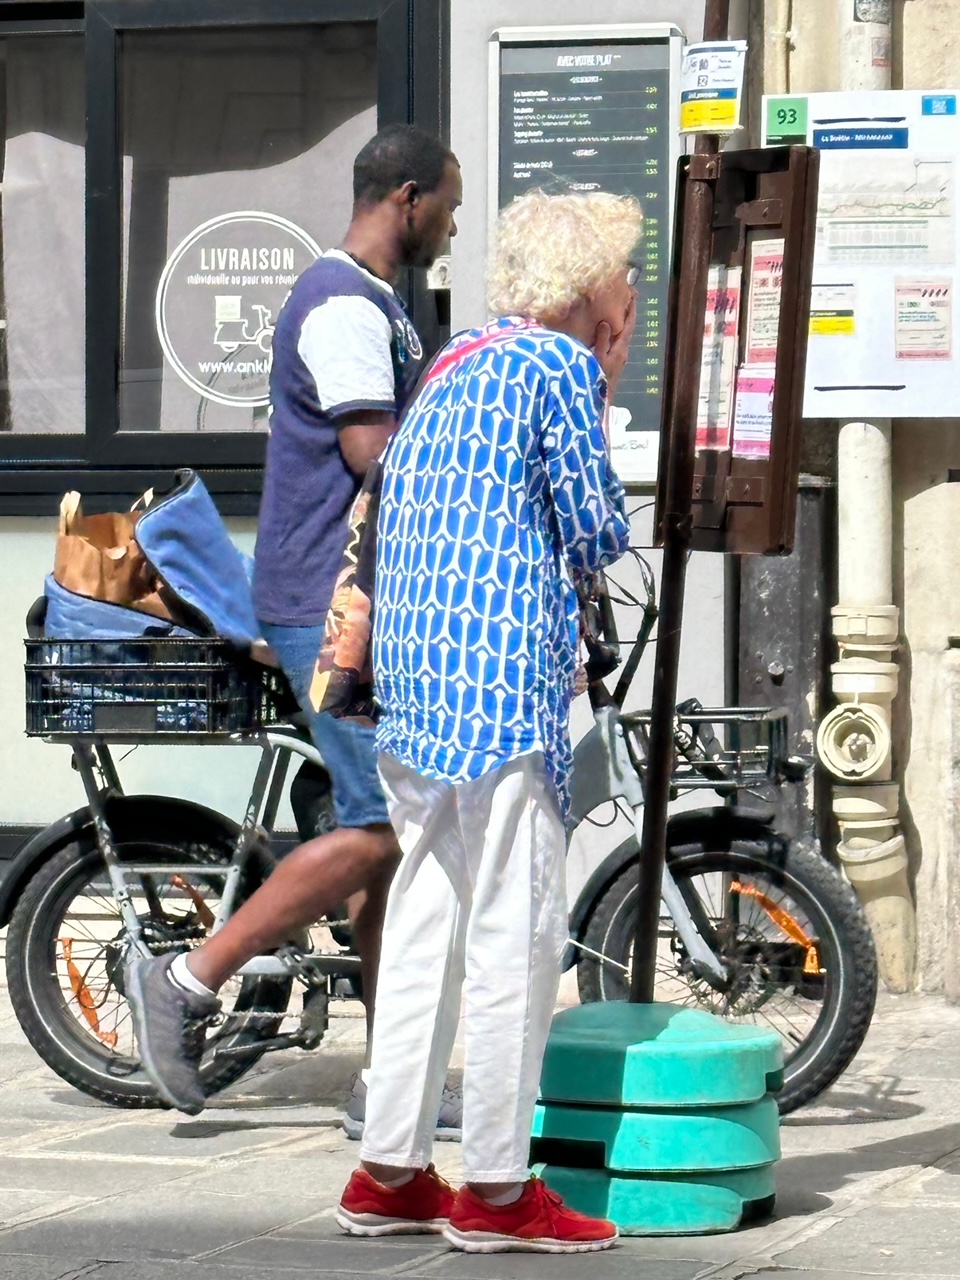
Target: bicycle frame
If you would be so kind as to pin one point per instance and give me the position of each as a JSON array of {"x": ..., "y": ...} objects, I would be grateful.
[
  {"x": 101, "y": 781},
  {"x": 610, "y": 756},
  {"x": 610, "y": 759}
]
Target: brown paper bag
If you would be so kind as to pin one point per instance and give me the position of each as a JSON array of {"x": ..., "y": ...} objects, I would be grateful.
[{"x": 99, "y": 557}]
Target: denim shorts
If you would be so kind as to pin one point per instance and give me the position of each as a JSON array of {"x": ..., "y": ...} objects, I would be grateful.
[{"x": 347, "y": 746}]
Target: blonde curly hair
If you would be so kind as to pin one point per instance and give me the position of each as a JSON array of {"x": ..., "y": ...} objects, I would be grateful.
[{"x": 552, "y": 250}]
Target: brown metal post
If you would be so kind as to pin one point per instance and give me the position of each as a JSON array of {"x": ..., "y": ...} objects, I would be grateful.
[{"x": 691, "y": 301}]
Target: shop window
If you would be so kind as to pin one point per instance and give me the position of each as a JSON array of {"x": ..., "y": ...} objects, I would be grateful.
[
  {"x": 41, "y": 235},
  {"x": 168, "y": 169},
  {"x": 237, "y": 150}
]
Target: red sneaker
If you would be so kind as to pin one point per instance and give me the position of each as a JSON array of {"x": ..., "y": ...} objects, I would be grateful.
[
  {"x": 539, "y": 1222},
  {"x": 420, "y": 1206}
]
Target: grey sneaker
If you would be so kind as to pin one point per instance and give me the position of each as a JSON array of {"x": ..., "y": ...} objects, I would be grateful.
[
  {"x": 449, "y": 1120},
  {"x": 170, "y": 1025},
  {"x": 450, "y": 1116}
]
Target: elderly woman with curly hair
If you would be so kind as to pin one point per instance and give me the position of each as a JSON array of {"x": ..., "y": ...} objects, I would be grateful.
[{"x": 497, "y": 492}]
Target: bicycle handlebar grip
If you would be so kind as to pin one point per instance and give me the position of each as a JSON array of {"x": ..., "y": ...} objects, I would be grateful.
[
  {"x": 597, "y": 691},
  {"x": 608, "y": 622}
]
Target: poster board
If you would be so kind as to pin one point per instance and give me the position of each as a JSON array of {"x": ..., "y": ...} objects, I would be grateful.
[
  {"x": 884, "y": 331},
  {"x": 597, "y": 108},
  {"x": 750, "y": 324}
]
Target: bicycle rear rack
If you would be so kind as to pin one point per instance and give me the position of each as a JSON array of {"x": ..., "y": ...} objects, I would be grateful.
[{"x": 719, "y": 748}]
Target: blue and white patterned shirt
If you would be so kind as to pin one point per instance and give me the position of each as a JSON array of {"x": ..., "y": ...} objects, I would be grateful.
[{"x": 497, "y": 485}]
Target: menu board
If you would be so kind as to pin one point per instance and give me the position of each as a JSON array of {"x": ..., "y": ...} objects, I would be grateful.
[{"x": 596, "y": 117}]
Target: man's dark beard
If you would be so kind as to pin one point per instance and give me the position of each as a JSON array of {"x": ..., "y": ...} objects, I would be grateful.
[{"x": 414, "y": 252}]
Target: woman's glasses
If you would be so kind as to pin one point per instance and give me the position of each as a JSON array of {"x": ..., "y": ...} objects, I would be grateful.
[{"x": 633, "y": 276}]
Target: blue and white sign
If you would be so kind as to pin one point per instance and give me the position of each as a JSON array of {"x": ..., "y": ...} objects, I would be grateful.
[
  {"x": 939, "y": 104},
  {"x": 888, "y": 248},
  {"x": 867, "y": 136}
]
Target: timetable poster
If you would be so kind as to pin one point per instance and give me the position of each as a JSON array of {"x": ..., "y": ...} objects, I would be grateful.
[{"x": 596, "y": 117}]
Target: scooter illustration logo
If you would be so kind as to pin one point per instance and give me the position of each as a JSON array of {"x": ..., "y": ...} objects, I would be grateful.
[
  {"x": 218, "y": 299},
  {"x": 233, "y": 328}
]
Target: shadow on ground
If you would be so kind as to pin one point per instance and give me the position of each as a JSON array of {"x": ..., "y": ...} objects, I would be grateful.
[{"x": 873, "y": 1101}]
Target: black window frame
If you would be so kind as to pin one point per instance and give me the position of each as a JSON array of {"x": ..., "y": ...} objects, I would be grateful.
[{"x": 102, "y": 461}]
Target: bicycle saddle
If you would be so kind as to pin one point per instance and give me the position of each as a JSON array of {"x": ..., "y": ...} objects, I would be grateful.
[{"x": 36, "y": 616}]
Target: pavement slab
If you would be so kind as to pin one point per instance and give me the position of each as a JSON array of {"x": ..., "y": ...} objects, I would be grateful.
[
  {"x": 869, "y": 1183},
  {"x": 181, "y": 1141},
  {"x": 92, "y": 1178},
  {"x": 165, "y": 1222},
  {"x": 879, "y": 1240},
  {"x": 619, "y": 1263},
  {"x": 856, "y": 1270},
  {"x": 18, "y": 1267}
]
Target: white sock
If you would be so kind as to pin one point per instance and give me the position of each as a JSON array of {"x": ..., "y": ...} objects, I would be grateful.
[
  {"x": 401, "y": 1181},
  {"x": 180, "y": 975},
  {"x": 508, "y": 1197}
]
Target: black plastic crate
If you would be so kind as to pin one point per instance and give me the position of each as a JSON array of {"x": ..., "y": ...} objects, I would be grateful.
[{"x": 148, "y": 689}]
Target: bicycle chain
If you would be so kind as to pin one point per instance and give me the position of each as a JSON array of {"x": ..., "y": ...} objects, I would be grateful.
[{"x": 246, "y": 1018}]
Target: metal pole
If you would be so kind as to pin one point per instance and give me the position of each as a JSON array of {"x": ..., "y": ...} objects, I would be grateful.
[{"x": 677, "y": 530}]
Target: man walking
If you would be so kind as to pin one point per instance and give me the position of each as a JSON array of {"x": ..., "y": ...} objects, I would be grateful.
[{"x": 345, "y": 361}]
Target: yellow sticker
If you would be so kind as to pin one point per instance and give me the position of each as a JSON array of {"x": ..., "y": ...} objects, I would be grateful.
[
  {"x": 830, "y": 324},
  {"x": 705, "y": 115}
]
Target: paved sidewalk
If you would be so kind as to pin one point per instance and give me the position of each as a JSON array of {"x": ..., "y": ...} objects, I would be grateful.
[{"x": 868, "y": 1185}]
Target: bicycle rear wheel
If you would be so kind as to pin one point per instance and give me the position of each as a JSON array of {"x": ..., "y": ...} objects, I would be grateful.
[
  {"x": 65, "y": 948},
  {"x": 792, "y": 935}
]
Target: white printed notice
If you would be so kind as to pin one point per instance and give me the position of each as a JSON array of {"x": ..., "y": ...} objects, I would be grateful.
[
  {"x": 763, "y": 301},
  {"x": 833, "y": 310},
  {"x": 719, "y": 358},
  {"x": 884, "y": 335},
  {"x": 753, "y": 413},
  {"x": 924, "y": 319},
  {"x": 711, "y": 86},
  {"x": 876, "y": 214}
]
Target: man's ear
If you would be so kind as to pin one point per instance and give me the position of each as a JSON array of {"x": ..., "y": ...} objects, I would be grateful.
[{"x": 408, "y": 194}]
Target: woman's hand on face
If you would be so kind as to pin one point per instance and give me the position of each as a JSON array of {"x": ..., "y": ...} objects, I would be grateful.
[{"x": 612, "y": 349}]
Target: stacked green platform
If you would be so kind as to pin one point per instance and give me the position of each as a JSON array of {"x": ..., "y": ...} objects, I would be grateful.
[{"x": 660, "y": 1118}]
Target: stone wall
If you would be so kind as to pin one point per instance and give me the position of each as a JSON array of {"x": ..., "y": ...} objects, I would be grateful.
[{"x": 926, "y": 54}]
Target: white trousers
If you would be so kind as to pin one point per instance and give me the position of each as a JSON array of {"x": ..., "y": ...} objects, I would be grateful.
[{"x": 478, "y": 908}]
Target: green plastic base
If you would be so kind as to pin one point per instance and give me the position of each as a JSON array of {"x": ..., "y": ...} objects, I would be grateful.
[
  {"x": 682, "y": 1140},
  {"x": 691, "y": 1204},
  {"x": 616, "y": 1054}
]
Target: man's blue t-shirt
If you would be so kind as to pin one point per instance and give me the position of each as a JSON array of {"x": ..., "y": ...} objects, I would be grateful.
[{"x": 343, "y": 342}]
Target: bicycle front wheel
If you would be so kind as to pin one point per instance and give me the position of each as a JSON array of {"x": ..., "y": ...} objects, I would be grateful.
[
  {"x": 66, "y": 944},
  {"x": 791, "y": 933}
]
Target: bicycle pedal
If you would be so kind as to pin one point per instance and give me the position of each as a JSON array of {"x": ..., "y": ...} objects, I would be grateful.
[
  {"x": 292, "y": 957},
  {"x": 315, "y": 1018}
]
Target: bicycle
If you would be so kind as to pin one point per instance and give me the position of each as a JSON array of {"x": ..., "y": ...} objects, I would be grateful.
[{"x": 751, "y": 927}]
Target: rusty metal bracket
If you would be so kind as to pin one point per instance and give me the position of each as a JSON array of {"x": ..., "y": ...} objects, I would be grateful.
[
  {"x": 704, "y": 488},
  {"x": 761, "y": 213},
  {"x": 703, "y": 168},
  {"x": 745, "y": 491}
]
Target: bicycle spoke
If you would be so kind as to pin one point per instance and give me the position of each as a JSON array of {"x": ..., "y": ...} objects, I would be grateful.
[
  {"x": 93, "y": 925},
  {"x": 76, "y": 924},
  {"x": 763, "y": 937}
]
